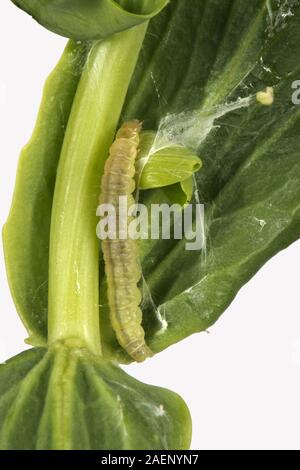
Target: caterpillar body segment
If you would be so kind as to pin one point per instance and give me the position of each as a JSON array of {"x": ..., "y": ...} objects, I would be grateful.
[{"x": 122, "y": 268}]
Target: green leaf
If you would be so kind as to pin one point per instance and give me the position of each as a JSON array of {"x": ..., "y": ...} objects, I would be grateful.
[
  {"x": 165, "y": 166},
  {"x": 90, "y": 19},
  {"x": 67, "y": 399},
  {"x": 187, "y": 187},
  {"x": 250, "y": 181},
  {"x": 196, "y": 53},
  {"x": 169, "y": 166},
  {"x": 180, "y": 193},
  {"x": 197, "y": 58},
  {"x": 27, "y": 232}
]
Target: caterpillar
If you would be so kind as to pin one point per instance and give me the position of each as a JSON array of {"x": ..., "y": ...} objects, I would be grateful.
[{"x": 122, "y": 268}]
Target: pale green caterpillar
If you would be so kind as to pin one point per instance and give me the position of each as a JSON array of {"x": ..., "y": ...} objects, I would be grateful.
[
  {"x": 120, "y": 255},
  {"x": 172, "y": 166}
]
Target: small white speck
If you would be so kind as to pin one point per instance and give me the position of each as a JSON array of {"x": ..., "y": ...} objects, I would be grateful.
[
  {"x": 261, "y": 222},
  {"x": 160, "y": 410},
  {"x": 162, "y": 319}
]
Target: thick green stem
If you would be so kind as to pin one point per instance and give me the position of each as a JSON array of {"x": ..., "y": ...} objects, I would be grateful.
[{"x": 74, "y": 247}]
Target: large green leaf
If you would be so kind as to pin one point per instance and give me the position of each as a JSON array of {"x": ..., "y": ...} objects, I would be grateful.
[
  {"x": 197, "y": 57},
  {"x": 250, "y": 181},
  {"x": 90, "y": 19},
  {"x": 250, "y": 178},
  {"x": 66, "y": 399}
]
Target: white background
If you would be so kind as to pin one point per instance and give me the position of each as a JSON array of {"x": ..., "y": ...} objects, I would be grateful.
[{"x": 242, "y": 380}]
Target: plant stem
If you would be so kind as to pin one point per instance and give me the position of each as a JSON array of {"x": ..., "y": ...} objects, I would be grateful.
[{"x": 74, "y": 247}]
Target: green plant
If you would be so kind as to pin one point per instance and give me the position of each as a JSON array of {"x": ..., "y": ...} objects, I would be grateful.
[{"x": 192, "y": 72}]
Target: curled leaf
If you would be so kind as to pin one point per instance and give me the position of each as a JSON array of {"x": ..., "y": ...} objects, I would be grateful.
[
  {"x": 180, "y": 193},
  {"x": 172, "y": 167},
  {"x": 90, "y": 19}
]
